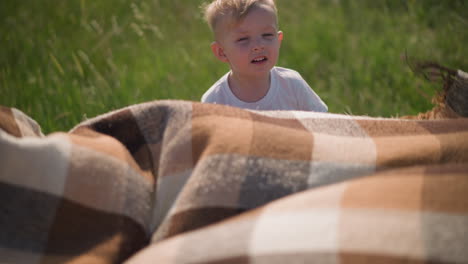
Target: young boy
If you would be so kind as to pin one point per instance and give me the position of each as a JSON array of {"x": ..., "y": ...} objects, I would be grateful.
[{"x": 247, "y": 38}]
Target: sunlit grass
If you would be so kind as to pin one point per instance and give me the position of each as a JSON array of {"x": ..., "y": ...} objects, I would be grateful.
[{"x": 63, "y": 61}]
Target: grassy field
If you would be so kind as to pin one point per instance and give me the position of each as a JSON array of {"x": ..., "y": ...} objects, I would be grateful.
[{"x": 64, "y": 61}]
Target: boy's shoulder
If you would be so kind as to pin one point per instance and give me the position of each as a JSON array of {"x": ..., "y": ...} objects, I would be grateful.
[
  {"x": 216, "y": 91},
  {"x": 290, "y": 82},
  {"x": 286, "y": 73},
  {"x": 288, "y": 77}
]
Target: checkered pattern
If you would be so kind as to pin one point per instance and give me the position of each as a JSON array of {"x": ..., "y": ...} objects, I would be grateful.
[{"x": 185, "y": 182}]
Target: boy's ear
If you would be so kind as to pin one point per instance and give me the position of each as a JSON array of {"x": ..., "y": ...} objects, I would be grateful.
[
  {"x": 280, "y": 36},
  {"x": 218, "y": 51}
]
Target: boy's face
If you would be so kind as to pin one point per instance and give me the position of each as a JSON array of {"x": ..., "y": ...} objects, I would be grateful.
[{"x": 250, "y": 46}]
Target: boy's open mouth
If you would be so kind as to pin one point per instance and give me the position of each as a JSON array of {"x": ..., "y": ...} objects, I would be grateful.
[{"x": 259, "y": 59}]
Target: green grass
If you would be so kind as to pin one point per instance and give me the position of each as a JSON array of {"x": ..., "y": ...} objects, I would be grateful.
[{"x": 63, "y": 61}]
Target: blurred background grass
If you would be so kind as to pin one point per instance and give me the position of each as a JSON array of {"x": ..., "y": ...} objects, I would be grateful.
[{"x": 64, "y": 61}]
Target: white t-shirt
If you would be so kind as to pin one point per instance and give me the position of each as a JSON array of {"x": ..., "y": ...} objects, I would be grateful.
[{"x": 288, "y": 91}]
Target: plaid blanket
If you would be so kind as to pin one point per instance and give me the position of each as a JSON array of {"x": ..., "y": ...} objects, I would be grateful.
[{"x": 185, "y": 182}]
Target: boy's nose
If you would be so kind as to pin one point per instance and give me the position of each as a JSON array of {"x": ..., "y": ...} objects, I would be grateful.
[{"x": 258, "y": 45}]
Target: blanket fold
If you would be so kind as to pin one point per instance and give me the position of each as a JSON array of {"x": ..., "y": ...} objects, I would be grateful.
[{"x": 186, "y": 182}]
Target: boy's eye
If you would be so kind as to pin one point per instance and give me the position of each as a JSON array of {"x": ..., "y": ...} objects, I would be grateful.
[
  {"x": 242, "y": 39},
  {"x": 268, "y": 35}
]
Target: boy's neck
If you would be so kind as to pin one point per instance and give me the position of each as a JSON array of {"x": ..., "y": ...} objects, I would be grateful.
[{"x": 249, "y": 89}]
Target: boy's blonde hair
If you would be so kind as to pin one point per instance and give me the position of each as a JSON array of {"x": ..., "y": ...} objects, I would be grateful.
[{"x": 236, "y": 9}]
